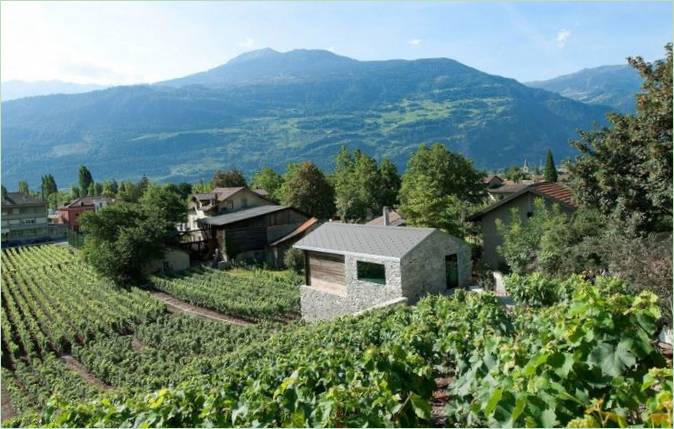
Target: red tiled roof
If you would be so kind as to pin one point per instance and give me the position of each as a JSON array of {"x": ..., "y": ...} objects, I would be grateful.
[
  {"x": 300, "y": 230},
  {"x": 553, "y": 191}
]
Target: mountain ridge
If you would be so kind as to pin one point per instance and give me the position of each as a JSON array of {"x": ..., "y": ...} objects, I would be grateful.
[{"x": 186, "y": 129}]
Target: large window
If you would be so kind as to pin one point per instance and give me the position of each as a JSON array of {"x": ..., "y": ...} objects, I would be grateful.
[{"x": 371, "y": 272}]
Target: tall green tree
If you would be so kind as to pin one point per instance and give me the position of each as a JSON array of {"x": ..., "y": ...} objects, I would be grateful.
[
  {"x": 514, "y": 173},
  {"x": 439, "y": 189},
  {"x": 269, "y": 180},
  {"x": 550, "y": 169},
  {"x": 228, "y": 178},
  {"x": 47, "y": 186},
  {"x": 85, "y": 180},
  {"x": 167, "y": 200},
  {"x": 129, "y": 192},
  {"x": 23, "y": 187},
  {"x": 92, "y": 189},
  {"x": 357, "y": 183},
  {"x": 4, "y": 191},
  {"x": 389, "y": 185},
  {"x": 306, "y": 188},
  {"x": 625, "y": 169}
]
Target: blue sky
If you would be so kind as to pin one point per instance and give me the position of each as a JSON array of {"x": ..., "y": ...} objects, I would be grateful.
[{"x": 121, "y": 43}]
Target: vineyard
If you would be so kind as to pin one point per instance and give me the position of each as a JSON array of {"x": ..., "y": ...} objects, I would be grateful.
[
  {"x": 256, "y": 295},
  {"x": 581, "y": 356}
]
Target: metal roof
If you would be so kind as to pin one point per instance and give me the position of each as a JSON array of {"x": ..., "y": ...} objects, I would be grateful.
[
  {"x": 239, "y": 215},
  {"x": 373, "y": 240}
]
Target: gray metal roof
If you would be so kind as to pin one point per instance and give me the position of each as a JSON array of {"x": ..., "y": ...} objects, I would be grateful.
[
  {"x": 239, "y": 215},
  {"x": 374, "y": 240}
]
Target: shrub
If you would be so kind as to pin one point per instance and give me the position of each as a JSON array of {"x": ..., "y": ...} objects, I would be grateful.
[{"x": 294, "y": 260}]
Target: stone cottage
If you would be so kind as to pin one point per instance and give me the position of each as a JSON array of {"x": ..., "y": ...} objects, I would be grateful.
[{"x": 349, "y": 267}]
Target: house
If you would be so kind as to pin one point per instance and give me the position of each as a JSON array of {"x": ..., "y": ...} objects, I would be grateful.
[
  {"x": 505, "y": 190},
  {"x": 492, "y": 181},
  {"x": 390, "y": 217},
  {"x": 280, "y": 246},
  {"x": 523, "y": 200},
  {"x": 70, "y": 213},
  {"x": 219, "y": 201},
  {"x": 351, "y": 267},
  {"x": 247, "y": 233},
  {"x": 24, "y": 219}
]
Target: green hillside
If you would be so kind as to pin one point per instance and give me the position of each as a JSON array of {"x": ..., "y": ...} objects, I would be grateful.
[
  {"x": 613, "y": 86},
  {"x": 267, "y": 108}
]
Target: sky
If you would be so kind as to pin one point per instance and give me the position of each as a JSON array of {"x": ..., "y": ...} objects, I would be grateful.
[{"x": 142, "y": 42}]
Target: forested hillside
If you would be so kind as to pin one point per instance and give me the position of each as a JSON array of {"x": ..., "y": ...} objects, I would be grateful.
[{"x": 267, "y": 109}]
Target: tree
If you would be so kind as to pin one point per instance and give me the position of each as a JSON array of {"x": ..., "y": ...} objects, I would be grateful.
[
  {"x": 108, "y": 189},
  {"x": 47, "y": 186},
  {"x": 86, "y": 179},
  {"x": 514, "y": 173},
  {"x": 550, "y": 169},
  {"x": 229, "y": 178},
  {"x": 23, "y": 187},
  {"x": 129, "y": 192},
  {"x": 625, "y": 169},
  {"x": 306, "y": 188},
  {"x": 357, "y": 184},
  {"x": 439, "y": 188},
  {"x": 4, "y": 191},
  {"x": 75, "y": 192},
  {"x": 269, "y": 180},
  {"x": 92, "y": 189},
  {"x": 166, "y": 200},
  {"x": 390, "y": 184},
  {"x": 98, "y": 188},
  {"x": 202, "y": 187}
]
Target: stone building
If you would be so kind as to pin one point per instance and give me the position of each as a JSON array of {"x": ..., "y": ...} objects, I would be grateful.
[{"x": 350, "y": 268}]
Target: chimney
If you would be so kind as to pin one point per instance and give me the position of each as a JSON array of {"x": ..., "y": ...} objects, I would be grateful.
[{"x": 386, "y": 219}]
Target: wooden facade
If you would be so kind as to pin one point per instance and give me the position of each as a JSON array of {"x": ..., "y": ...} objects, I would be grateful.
[{"x": 325, "y": 271}]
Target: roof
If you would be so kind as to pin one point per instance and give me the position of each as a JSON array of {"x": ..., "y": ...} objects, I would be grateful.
[
  {"x": 86, "y": 201},
  {"x": 261, "y": 191},
  {"x": 239, "y": 215},
  {"x": 508, "y": 188},
  {"x": 373, "y": 240},
  {"x": 552, "y": 191},
  {"x": 222, "y": 194},
  {"x": 490, "y": 178},
  {"x": 394, "y": 219},
  {"x": 297, "y": 232},
  {"x": 20, "y": 199}
]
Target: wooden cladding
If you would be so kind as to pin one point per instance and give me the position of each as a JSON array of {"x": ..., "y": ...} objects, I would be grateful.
[{"x": 326, "y": 271}]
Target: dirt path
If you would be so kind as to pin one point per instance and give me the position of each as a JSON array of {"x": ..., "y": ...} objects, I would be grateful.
[
  {"x": 438, "y": 412},
  {"x": 8, "y": 411},
  {"x": 76, "y": 366},
  {"x": 177, "y": 306},
  {"x": 137, "y": 345}
]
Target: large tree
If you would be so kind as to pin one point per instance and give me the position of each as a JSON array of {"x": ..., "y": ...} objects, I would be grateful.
[
  {"x": 550, "y": 169},
  {"x": 625, "y": 169},
  {"x": 439, "y": 188},
  {"x": 357, "y": 184},
  {"x": 85, "y": 180},
  {"x": 48, "y": 186},
  {"x": 229, "y": 178},
  {"x": 23, "y": 187},
  {"x": 389, "y": 185},
  {"x": 121, "y": 239},
  {"x": 269, "y": 180},
  {"x": 306, "y": 188}
]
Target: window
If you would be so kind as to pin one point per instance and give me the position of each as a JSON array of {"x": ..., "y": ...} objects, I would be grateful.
[
  {"x": 371, "y": 272},
  {"x": 27, "y": 221}
]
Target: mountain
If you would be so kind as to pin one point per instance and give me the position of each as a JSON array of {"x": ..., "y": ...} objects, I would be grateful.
[
  {"x": 14, "y": 89},
  {"x": 267, "y": 108},
  {"x": 613, "y": 86}
]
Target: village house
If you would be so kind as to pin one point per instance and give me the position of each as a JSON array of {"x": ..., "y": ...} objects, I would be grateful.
[
  {"x": 239, "y": 223},
  {"x": 70, "y": 213},
  {"x": 523, "y": 200},
  {"x": 390, "y": 217},
  {"x": 351, "y": 267},
  {"x": 492, "y": 181},
  {"x": 283, "y": 244},
  {"x": 24, "y": 219}
]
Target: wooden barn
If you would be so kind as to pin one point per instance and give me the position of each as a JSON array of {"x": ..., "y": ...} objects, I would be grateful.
[{"x": 246, "y": 234}]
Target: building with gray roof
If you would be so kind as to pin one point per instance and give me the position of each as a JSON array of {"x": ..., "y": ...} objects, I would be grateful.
[{"x": 350, "y": 268}]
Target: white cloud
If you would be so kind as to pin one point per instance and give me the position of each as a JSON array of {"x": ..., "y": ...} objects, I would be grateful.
[
  {"x": 248, "y": 42},
  {"x": 562, "y": 37},
  {"x": 414, "y": 42},
  {"x": 331, "y": 49}
]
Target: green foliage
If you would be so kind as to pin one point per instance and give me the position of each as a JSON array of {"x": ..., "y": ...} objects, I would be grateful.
[
  {"x": 167, "y": 201},
  {"x": 306, "y": 188},
  {"x": 358, "y": 184},
  {"x": 625, "y": 169},
  {"x": 228, "y": 178},
  {"x": 390, "y": 184},
  {"x": 550, "y": 169},
  {"x": 294, "y": 260},
  {"x": 515, "y": 174},
  {"x": 85, "y": 180},
  {"x": 23, "y": 187},
  {"x": 438, "y": 189},
  {"x": 121, "y": 239},
  {"x": 269, "y": 180},
  {"x": 47, "y": 187}
]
